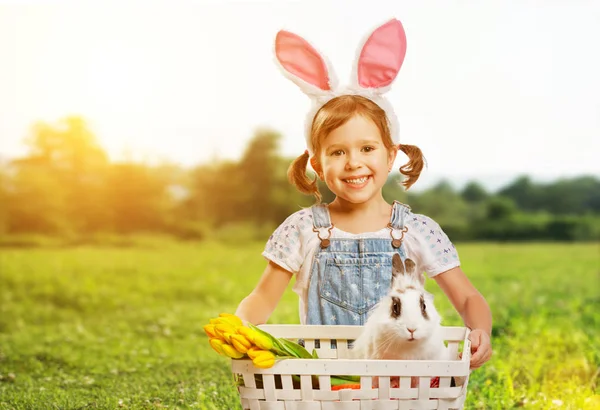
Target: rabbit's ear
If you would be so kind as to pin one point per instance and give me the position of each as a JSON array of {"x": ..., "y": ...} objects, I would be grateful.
[
  {"x": 411, "y": 270},
  {"x": 302, "y": 63},
  {"x": 410, "y": 266},
  {"x": 397, "y": 266},
  {"x": 381, "y": 56}
]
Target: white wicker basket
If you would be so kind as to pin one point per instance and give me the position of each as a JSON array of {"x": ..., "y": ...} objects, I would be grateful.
[{"x": 305, "y": 384}]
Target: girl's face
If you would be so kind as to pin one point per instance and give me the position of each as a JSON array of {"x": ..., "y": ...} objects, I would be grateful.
[{"x": 354, "y": 162}]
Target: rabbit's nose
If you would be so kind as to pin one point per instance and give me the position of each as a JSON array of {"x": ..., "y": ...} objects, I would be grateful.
[{"x": 411, "y": 330}]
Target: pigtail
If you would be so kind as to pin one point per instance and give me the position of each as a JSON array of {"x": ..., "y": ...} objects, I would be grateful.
[
  {"x": 415, "y": 164},
  {"x": 297, "y": 177}
]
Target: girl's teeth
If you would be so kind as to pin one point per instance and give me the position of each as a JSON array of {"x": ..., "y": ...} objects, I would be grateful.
[{"x": 357, "y": 180}]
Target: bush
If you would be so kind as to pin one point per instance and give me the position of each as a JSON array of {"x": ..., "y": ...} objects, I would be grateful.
[
  {"x": 190, "y": 231},
  {"x": 574, "y": 228}
]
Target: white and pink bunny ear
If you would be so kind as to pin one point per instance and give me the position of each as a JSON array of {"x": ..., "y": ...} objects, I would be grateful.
[
  {"x": 303, "y": 64},
  {"x": 381, "y": 56},
  {"x": 377, "y": 65}
]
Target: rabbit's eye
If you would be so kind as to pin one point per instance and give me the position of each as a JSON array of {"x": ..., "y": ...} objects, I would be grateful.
[
  {"x": 424, "y": 308},
  {"x": 396, "y": 307}
]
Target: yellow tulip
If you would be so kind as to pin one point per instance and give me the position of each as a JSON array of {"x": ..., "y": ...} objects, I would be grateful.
[
  {"x": 229, "y": 338},
  {"x": 223, "y": 321},
  {"x": 217, "y": 345},
  {"x": 263, "y": 342},
  {"x": 210, "y": 330},
  {"x": 264, "y": 360},
  {"x": 240, "y": 343},
  {"x": 231, "y": 352},
  {"x": 229, "y": 321},
  {"x": 223, "y": 328},
  {"x": 253, "y": 352},
  {"x": 245, "y": 331},
  {"x": 233, "y": 319},
  {"x": 256, "y": 338}
]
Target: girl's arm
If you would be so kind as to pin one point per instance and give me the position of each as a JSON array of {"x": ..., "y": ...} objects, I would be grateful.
[
  {"x": 466, "y": 299},
  {"x": 473, "y": 309},
  {"x": 257, "y": 307}
]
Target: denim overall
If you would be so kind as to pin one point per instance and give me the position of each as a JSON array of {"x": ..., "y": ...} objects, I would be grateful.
[{"x": 349, "y": 276}]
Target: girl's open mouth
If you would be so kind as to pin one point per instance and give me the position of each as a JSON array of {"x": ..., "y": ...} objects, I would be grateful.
[{"x": 357, "y": 182}]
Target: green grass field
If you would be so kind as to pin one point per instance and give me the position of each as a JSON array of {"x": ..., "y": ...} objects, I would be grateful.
[{"x": 121, "y": 327}]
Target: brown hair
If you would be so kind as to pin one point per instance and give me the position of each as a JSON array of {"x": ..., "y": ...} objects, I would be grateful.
[
  {"x": 336, "y": 113},
  {"x": 297, "y": 176}
]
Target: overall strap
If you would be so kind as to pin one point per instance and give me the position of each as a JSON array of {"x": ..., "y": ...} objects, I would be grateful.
[
  {"x": 399, "y": 211},
  {"x": 322, "y": 223},
  {"x": 321, "y": 216},
  {"x": 397, "y": 223}
]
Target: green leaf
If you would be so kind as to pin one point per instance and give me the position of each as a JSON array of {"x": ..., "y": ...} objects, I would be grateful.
[
  {"x": 345, "y": 379},
  {"x": 284, "y": 346},
  {"x": 297, "y": 349}
]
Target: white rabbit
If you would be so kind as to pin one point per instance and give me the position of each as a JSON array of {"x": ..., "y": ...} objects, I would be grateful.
[{"x": 405, "y": 324}]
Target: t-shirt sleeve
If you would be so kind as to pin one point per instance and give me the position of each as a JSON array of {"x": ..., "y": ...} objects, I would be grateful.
[
  {"x": 437, "y": 253},
  {"x": 284, "y": 246}
]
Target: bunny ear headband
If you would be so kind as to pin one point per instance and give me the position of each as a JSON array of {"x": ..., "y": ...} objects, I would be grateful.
[{"x": 378, "y": 62}]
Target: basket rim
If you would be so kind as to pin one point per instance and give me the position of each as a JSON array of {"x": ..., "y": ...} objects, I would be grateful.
[
  {"x": 455, "y": 333},
  {"x": 357, "y": 366}
]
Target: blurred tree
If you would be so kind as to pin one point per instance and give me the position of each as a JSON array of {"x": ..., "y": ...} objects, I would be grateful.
[
  {"x": 5, "y": 182},
  {"x": 257, "y": 173},
  {"x": 572, "y": 196},
  {"x": 440, "y": 202},
  {"x": 74, "y": 168},
  {"x": 66, "y": 183},
  {"x": 4, "y": 197},
  {"x": 214, "y": 194},
  {"x": 500, "y": 209},
  {"x": 36, "y": 202},
  {"x": 473, "y": 192},
  {"x": 138, "y": 197},
  {"x": 286, "y": 198},
  {"x": 525, "y": 194},
  {"x": 446, "y": 207},
  {"x": 255, "y": 189}
]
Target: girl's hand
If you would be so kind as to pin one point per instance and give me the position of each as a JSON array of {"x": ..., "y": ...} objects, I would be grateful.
[{"x": 481, "y": 348}]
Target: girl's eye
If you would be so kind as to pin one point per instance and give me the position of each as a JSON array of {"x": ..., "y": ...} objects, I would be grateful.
[
  {"x": 368, "y": 149},
  {"x": 337, "y": 153}
]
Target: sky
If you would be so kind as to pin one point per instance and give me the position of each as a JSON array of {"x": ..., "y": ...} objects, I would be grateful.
[{"x": 487, "y": 90}]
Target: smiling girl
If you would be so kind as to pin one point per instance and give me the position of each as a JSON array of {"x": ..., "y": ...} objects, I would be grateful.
[{"x": 341, "y": 253}]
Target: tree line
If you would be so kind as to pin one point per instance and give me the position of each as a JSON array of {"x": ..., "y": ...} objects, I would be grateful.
[{"x": 66, "y": 185}]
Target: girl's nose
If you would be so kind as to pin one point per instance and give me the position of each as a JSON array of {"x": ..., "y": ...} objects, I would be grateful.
[{"x": 352, "y": 161}]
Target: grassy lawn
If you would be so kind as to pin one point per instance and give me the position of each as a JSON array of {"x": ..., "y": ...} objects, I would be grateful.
[{"x": 121, "y": 327}]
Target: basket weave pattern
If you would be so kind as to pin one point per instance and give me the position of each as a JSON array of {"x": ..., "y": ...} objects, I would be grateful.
[{"x": 305, "y": 384}]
